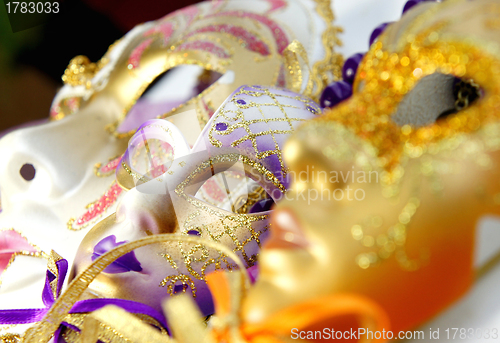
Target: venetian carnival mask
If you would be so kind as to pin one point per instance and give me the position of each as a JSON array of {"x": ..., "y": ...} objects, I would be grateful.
[
  {"x": 68, "y": 165},
  {"x": 395, "y": 179},
  {"x": 220, "y": 190}
]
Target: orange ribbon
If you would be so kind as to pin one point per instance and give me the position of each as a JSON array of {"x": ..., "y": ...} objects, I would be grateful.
[{"x": 341, "y": 312}]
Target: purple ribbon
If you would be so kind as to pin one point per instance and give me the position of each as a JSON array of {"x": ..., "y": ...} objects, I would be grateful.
[{"x": 31, "y": 315}]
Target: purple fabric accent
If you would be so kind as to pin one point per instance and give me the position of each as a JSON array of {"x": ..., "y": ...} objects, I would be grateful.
[
  {"x": 253, "y": 272},
  {"x": 30, "y": 315},
  {"x": 124, "y": 264},
  {"x": 145, "y": 110},
  {"x": 377, "y": 32},
  {"x": 24, "y": 316},
  {"x": 335, "y": 93},
  {"x": 350, "y": 67},
  {"x": 221, "y": 126},
  {"x": 58, "y": 338},
  {"x": 47, "y": 295},
  {"x": 262, "y": 206}
]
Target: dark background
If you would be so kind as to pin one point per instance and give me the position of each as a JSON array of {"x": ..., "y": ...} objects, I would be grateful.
[{"x": 33, "y": 60}]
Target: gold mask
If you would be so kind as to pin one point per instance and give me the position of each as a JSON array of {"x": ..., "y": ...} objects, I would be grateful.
[{"x": 393, "y": 195}]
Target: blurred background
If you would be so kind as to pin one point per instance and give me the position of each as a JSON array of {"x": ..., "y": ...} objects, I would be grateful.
[{"x": 33, "y": 60}]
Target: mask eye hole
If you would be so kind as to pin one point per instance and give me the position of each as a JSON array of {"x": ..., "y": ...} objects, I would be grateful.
[
  {"x": 27, "y": 172},
  {"x": 167, "y": 92},
  {"x": 434, "y": 97},
  {"x": 234, "y": 192},
  {"x": 465, "y": 92}
]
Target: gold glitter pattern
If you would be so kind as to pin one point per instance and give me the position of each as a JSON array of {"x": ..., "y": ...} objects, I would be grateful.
[
  {"x": 390, "y": 243},
  {"x": 385, "y": 78},
  {"x": 105, "y": 333},
  {"x": 236, "y": 120},
  {"x": 96, "y": 209},
  {"x": 196, "y": 260},
  {"x": 10, "y": 338}
]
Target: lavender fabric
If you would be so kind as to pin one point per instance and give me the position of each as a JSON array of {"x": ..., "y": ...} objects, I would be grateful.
[
  {"x": 145, "y": 110},
  {"x": 124, "y": 264}
]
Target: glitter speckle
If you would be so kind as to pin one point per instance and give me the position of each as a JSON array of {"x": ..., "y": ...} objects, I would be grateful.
[
  {"x": 221, "y": 126},
  {"x": 312, "y": 109}
]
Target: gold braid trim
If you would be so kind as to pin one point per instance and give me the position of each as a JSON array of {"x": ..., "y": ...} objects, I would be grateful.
[{"x": 43, "y": 331}]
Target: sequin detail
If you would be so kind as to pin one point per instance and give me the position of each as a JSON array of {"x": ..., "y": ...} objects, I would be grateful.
[
  {"x": 107, "y": 169},
  {"x": 221, "y": 126},
  {"x": 265, "y": 98},
  {"x": 96, "y": 209},
  {"x": 278, "y": 33}
]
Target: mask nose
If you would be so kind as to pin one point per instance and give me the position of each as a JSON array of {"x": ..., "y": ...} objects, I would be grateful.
[
  {"x": 286, "y": 232},
  {"x": 58, "y": 155}
]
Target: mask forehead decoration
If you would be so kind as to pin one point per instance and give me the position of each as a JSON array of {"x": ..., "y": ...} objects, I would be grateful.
[
  {"x": 75, "y": 156},
  {"x": 412, "y": 51},
  {"x": 239, "y": 151},
  {"x": 228, "y": 37},
  {"x": 426, "y": 176}
]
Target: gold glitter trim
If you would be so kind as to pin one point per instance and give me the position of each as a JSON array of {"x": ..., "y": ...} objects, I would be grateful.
[
  {"x": 71, "y": 221},
  {"x": 240, "y": 122},
  {"x": 80, "y": 71},
  {"x": 97, "y": 168},
  {"x": 10, "y": 338},
  {"x": 206, "y": 61},
  {"x": 386, "y": 89},
  {"x": 330, "y": 68},
  {"x": 294, "y": 69}
]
